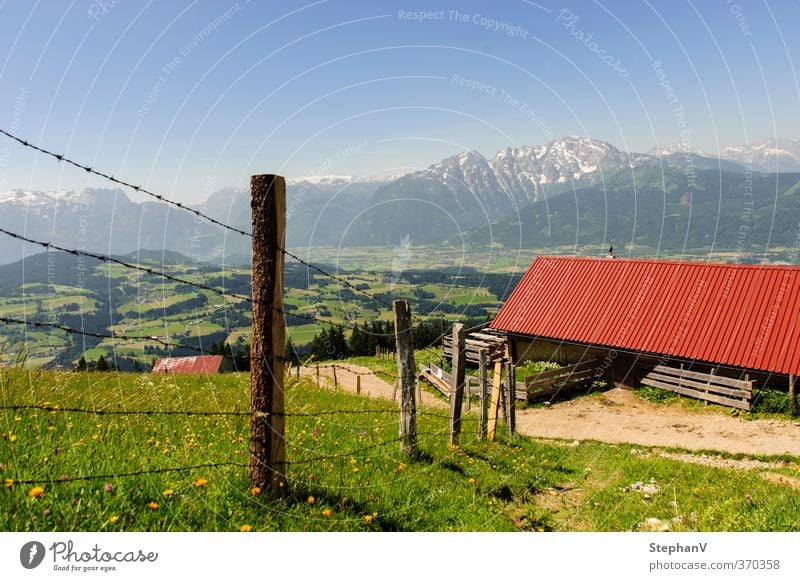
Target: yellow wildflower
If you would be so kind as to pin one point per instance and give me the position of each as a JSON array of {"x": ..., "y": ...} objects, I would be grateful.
[
  {"x": 327, "y": 512},
  {"x": 12, "y": 437},
  {"x": 153, "y": 505},
  {"x": 36, "y": 492},
  {"x": 311, "y": 500},
  {"x": 9, "y": 483},
  {"x": 245, "y": 528},
  {"x": 255, "y": 491},
  {"x": 472, "y": 481},
  {"x": 168, "y": 492},
  {"x": 113, "y": 519},
  {"x": 367, "y": 518},
  {"x": 200, "y": 482}
]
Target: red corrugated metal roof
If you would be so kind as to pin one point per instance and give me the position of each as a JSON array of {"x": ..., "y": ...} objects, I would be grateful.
[
  {"x": 734, "y": 315},
  {"x": 204, "y": 364}
]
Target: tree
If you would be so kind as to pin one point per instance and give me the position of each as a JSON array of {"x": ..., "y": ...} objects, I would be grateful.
[
  {"x": 290, "y": 353},
  {"x": 101, "y": 364},
  {"x": 81, "y": 365}
]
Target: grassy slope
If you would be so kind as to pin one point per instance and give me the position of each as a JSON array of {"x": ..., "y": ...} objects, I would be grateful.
[{"x": 367, "y": 484}]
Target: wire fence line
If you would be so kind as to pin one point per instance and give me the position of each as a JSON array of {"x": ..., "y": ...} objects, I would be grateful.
[
  {"x": 111, "y": 259},
  {"x": 111, "y": 178},
  {"x": 154, "y": 272},
  {"x": 117, "y": 336},
  {"x": 89, "y": 477},
  {"x": 73, "y": 331},
  {"x": 56, "y": 409},
  {"x": 182, "y": 206},
  {"x": 356, "y": 373}
]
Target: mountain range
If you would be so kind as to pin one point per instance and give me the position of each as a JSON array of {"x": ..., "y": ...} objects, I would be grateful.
[{"x": 546, "y": 195}]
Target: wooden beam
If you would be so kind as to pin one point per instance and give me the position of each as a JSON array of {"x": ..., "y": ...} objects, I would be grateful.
[
  {"x": 407, "y": 370},
  {"x": 484, "y": 399},
  {"x": 457, "y": 385},
  {"x": 495, "y": 405}
]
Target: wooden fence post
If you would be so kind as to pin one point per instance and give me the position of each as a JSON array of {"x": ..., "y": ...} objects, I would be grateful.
[
  {"x": 267, "y": 422},
  {"x": 497, "y": 387},
  {"x": 335, "y": 383},
  {"x": 484, "y": 397},
  {"x": 358, "y": 384},
  {"x": 511, "y": 397},
  {"x": 318, "y": 375},
  {"x": 457, "y": 384},
  {"x": 407, "y": 370},
  {"x": 792, "y": 395}
]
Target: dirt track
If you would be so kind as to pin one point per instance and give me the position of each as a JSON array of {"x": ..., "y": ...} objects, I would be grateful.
[{"x": 620, "y": 416}]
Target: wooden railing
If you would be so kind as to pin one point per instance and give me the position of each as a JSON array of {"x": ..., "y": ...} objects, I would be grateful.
[
  {"x": 726, "y": 391},
  {"x": 548, "y": 383}
]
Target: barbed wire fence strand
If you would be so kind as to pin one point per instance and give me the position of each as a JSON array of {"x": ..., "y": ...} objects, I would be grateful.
[
  {"x": 151, "y": 271},
  {"x": 182, "y": 206}
]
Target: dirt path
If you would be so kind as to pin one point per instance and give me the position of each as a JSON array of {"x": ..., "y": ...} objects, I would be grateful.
[
  {"x": 371, "y": 385},
  {"x": 620, "y": 416}
]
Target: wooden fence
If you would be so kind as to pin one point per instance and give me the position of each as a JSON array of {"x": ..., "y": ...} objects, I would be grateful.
[
  {"x": 736, "y": 393},
  {"x": 549, "y": 383}
]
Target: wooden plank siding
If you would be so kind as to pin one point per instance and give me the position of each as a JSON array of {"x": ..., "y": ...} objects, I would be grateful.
[{"x": 736, "y": 393}]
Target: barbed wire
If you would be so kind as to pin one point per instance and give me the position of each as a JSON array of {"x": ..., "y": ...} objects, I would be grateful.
[
  {"x": 111, "y": 178},
  {"x": 20, "y": 407},
  {"x": 72, "y": 330},
  {"x": 112, "y": 476},
  {"x": 108, "y": 258},
  {"x": 182, "y": 206},
  {"x": 359, "y": 451},
  {"x": 149, "y": 270},
  {"x": 357, "y": 373}
]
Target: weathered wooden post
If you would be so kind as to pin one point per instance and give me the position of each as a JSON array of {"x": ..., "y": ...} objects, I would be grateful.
[
  {"x": 457, "y": 382},
  {"x": 358, "y": 384},
  {"x": 407, "y": 370},
  {"x": 267, "y": 422},
  {"x": 497, "y": 386},
  {"x": 792, "y": 395},
  {"x": 318, "y": 384},
  {"x": 484, "y": 394},
  {"x": 335, "y": 383},
  {"x": 511, "y": 397}
]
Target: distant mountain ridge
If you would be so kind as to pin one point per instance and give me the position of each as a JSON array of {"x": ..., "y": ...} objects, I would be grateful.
[
  {"x": 441, "y": 203},
  {"x": 467, "y": 190}
]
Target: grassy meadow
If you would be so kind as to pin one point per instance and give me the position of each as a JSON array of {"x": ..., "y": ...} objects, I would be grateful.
[{"x": 346, "y": 472}]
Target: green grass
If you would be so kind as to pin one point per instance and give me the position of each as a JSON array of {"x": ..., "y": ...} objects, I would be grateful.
[{"x": 347, "y": 473}]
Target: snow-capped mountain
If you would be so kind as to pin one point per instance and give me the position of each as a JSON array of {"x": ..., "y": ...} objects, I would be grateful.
[
  {"x": 107, "y": 221},
  {"x": 467, "y": 189},
  {"x": 451, "y": 196},
  {"x": 768, "y": 155}
]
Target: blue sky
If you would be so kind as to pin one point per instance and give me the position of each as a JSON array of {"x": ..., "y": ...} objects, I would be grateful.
[{"x": 191, "y": 97}]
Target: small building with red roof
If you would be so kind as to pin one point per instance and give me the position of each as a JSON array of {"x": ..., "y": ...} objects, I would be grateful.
[
  {"x": 200, "y": 365},
  {"x": 731, "y": 320}
]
